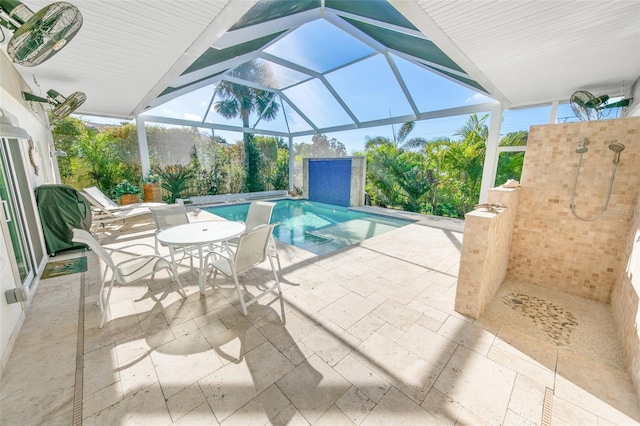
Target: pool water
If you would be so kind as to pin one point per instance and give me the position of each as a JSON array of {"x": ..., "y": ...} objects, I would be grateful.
[{"x": 317, "y": 227}]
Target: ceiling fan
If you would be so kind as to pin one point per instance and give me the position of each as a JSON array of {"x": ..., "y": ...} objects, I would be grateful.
[
  {"x": 589, "y": 107},
  {"x": 62, "y": 106},
  {"x": 38, "y": 36}
]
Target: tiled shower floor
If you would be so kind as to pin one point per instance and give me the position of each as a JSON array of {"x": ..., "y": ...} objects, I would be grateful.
[{"x": 580, "y": 325}]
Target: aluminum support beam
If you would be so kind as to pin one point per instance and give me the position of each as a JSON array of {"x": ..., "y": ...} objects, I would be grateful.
[
  {"x": 491, "y": 154},
  {"x": 143, "y": 146}
]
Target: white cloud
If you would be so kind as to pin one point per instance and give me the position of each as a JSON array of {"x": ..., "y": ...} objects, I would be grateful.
[
  {"x": 192, "y": 117},
  {"x": 477, "y": 98}
]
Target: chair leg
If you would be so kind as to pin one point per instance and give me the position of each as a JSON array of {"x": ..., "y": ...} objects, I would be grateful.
[
  {"x": 211, "y": 255},
  {"x": 242, "y": 304},
  {"x": 274, "y": 249},
  {"x": 105, "y": 305},
  {"x": 275, "y": 274},
  {"x": 104, "y": 278},
  {"x": 174, "y": 277}
]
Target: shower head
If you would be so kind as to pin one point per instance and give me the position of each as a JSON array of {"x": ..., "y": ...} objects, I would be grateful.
[
  {"x": 616, "y": 147},
  {"x": 582, "y": 146}
]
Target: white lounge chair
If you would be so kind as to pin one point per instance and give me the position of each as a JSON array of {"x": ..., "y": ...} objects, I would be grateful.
[
  {"x": 106, "y": 211},
  {"x": 125, "y": 272}
]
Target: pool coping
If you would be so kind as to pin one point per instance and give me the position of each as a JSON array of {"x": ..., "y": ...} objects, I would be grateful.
[{"x": 439, "y": 222}]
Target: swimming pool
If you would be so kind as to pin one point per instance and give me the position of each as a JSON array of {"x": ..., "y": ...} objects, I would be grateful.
[{"x": 317, "y": 227}]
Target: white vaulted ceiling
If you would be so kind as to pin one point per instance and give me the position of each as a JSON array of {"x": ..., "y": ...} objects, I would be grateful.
[
  {"x": 129, "y": 52},
  {"x": 125, "y": 48},
  {"x": 536, "y": 51}
]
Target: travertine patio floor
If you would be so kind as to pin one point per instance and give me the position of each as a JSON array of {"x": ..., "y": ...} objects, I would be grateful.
[{"x": 364, "y": 336}]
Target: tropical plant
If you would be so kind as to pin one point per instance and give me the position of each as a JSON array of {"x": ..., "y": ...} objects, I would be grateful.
[
  {"x": 175, "y": 180},
  {"x": 463, "y": 161},
  {"x": 279, "y": 176},
  {"x": 99, "y": 153},
  {"x": 125, "y": 188},
  {"x": 395, "y": 176},
  {"x": 66, "y": 134},
  {"x": 510, "y": 163},
  {"x": 254, "y": 180},
  {"x": 442, "y": 177},
  {"x": 211, "y": 167},
  {"x": 151, "y": 178},
  {"x": 241, "y": 101},
  {"x": 125, "y": 143},
  {"x": 171, "y": 145},
  {"x": 320, "y": 147},
  {"x": 399, "y": 138},
  {"x": 275, "y": 161}
]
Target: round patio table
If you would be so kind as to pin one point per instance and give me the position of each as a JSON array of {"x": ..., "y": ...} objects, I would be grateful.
[{"x": 200, "y": 235}]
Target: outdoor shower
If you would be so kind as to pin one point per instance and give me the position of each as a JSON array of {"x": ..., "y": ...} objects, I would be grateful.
[{"x": 617, "y": 148}]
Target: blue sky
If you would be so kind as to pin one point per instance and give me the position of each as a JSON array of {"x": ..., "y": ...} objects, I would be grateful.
[
  {"x": 365, "y": 81},
  {"x": 354, "y": 140}
]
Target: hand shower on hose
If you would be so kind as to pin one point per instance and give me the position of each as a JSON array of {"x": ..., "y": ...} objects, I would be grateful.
[{"x": 617, "y": 148}]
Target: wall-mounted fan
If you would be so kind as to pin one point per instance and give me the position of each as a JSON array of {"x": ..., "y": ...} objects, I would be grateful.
[
  {"x": 38, "y": 36},
  {"x": 62, "y": 106},
  {"x": 589, "y": 107}
]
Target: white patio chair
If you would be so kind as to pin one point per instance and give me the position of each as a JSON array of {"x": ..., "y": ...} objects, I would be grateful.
[
  {"x": 260, "y": 213},
  {"x": 252, "y": 249},
  {"x": 168, "y": 216},
  {"x": 124, "y": 272}
]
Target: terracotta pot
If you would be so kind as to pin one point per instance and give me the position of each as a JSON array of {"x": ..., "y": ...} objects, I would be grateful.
[
  {"x": 152, "y": 193},
  {"x": 128, "y": 199}
]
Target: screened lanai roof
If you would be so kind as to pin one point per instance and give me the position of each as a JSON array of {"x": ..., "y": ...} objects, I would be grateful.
[{"x": 332, "y": 65}]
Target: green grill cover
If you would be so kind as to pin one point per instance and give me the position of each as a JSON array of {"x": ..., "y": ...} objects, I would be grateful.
[{"x": 61, "y": 209}]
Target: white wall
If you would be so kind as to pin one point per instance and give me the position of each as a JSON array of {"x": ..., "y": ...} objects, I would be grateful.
[{"x": 33, "y": 119}]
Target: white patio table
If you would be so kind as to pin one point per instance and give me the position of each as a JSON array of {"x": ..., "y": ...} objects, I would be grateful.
[{"x": 201, "y": 235}]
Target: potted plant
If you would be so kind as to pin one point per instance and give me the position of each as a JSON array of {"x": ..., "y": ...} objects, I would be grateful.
[
  {"x": 175, "y": 180},
  {"x": 126, "y": 193},
  {"x": 151, "y": 192}
]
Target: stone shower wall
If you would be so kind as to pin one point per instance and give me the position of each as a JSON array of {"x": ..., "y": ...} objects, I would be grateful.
[
  {"x": 485, "y": 252},
  {"x": 625, "y": 301},
  {"x": 552, "y": 248}
]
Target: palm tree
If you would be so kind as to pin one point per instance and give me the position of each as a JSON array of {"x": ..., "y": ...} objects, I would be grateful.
[
  {"x": 510, "y": 163},
  {"x": 396, "y": 176},
  {"x": 460, "y": 162},
  {"x": 399, "y": 139},
  {"x": 241, "y": 101}
]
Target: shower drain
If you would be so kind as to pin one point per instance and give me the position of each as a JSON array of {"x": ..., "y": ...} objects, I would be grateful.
[
  {"x": 547, "y": 406},
  {"x": 77, "y": 391}
]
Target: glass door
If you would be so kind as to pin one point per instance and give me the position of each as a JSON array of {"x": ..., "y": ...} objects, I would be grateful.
[{"x": 12, "y": 215}]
